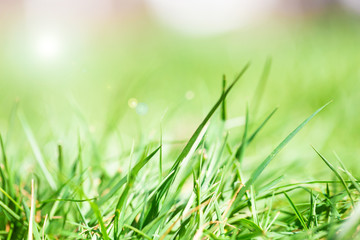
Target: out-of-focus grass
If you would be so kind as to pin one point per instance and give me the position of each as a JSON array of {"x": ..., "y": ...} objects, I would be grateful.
[{"x": 313, "y": 61}]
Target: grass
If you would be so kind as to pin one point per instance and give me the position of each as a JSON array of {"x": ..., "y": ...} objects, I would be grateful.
[{"x": 205, "y": 191}]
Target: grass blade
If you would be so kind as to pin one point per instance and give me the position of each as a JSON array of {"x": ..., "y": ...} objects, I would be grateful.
[
  {"x": 297, "y": 213},
  {"x": 241, "y": 150},
  {"x": 98, "y": 215},
  {"x": 36, "y": 150},
  {"x": 268, "y": 159},
  {"x": 223, "y": 105},
  {"x": 251, "y": 138},
  {"x": 194, "y": 138},
  {"x": 337, "y": 174},
  {"x": 131, "y": 178},
  {"x": 11, "y": 212},
  {"x": 259, "y": 92},
  {"x": 351, "y": 177}
]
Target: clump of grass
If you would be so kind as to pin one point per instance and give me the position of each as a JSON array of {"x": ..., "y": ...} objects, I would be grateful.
[{"x": 151, "y": 201}]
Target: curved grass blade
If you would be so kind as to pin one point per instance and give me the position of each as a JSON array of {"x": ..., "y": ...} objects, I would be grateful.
[
  {"x": 32, "y": 224},
  {"x": 11, "y": 212},
  {"x": 241, "y": 150},
  {"x": 38, "y": 155},
  {"x": 251, "y": 138},
  {"x": 97, "y": 212},
  {"x": 337, "y": 174},
  {"x": 297, "y": 213},
  {"x": 186, "y": 152},
  {"x": 268, "y": 159},
  {"x": 351, "y": 177},
  {"x": 130, "y": 182},
  {"x": 259, "y": 92},
  {"x": 194, "y": 138},
  {"x": 223, "y": 105},
  {"x": 131, "y": 178}
]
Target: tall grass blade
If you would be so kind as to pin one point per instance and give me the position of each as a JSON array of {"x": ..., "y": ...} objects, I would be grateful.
[
  {"x": 259, "y": 92},
  {"x": 223, "y": 105},
  {"x": 194, "y": 138},
  {"x": 251, "y": 138},
  {"x": 297, "y": 213},
  {"x": 268, "y": 159},
  {"x": 36, "y": 150},
  {"x": 337, "y": 174},
  {"x": 241, "y": 150},
  {"x": 98, "y": 215}
]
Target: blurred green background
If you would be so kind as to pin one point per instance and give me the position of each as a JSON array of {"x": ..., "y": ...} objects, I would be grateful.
[{"x": 86, "y": 75}]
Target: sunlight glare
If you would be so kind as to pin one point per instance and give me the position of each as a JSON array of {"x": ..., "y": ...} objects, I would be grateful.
[{"x": 48, "y": 46}]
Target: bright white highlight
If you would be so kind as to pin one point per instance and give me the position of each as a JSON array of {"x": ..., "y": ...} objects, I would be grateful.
[
  {"x": 209, "y": 17},
  {"x": 48, "y": 46}
]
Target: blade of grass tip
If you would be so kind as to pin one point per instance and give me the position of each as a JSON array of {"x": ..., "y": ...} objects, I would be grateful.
[
  {"x": 270, "y": 157},
  {"x": 98, "y": 215},
  {"x": 328, "y": 193},
  {"x": 261, "y": 126},
  {"x": 36, "y": 150},
  {"x": 80, "y": 160},
  {"x": 44, "y": 227},
  {"x": 297, "y": 213},
  {"x": 259, "y": 92},
  {"x": 352, "y": 178},
  {"x": 337, "y": 174},
  {"x": 223, "y": 105},
  {"x": 241, "y": 150},
  {"x": 194, "y": 138},
  {"x": 60, "y": 158}
]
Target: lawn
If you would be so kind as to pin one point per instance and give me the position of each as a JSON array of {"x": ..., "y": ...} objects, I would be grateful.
[{"x": 142, "y": 133}]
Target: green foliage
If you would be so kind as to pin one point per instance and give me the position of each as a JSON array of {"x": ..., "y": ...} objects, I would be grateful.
[{"x": 209, "y": 189}]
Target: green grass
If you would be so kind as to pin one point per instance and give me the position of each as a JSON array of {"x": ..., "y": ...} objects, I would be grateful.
[
  {"x": 210, "y": 189},
  {"x": 204, "y": 161}
]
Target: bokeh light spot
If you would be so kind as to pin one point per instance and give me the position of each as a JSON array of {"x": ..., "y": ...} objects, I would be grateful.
[
  {"x": 133, "y": 102},
  {"x": 142, "y": 108}
]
